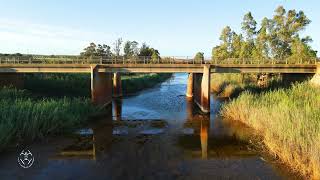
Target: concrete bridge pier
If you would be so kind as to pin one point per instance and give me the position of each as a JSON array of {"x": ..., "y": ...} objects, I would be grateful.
[
  {"x": 201, "y": 89},
  {"x": 316, "y": 78},
  {"x": 117, "y": 85},
  {"x": 101, "y": 87},
  {"x": 189, "y": 93}
]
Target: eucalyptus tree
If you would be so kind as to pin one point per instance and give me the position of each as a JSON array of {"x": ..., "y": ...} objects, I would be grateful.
[{"x": 199, "y": 57}]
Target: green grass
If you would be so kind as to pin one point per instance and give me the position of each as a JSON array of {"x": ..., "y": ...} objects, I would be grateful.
[
  {"x": 23, "y": 118},
  {"x": 288, "y": 120},
  {"x": 78, "y": 85}
]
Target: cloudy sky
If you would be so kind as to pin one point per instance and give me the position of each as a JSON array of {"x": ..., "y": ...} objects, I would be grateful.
[{"x": 176, "y": 28}]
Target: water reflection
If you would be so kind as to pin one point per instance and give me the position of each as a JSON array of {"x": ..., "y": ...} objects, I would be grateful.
[
  {"x": 117, "y": 108},
  {"x": 204, "y": 138}
]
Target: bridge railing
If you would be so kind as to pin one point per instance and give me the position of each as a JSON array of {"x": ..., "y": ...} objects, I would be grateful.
[{"x": 36, "y": 59}]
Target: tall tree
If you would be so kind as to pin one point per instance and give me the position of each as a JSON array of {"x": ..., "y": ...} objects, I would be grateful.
[
  {"x": 261, "y": 44},
  {"x": 277, "y": 38},
  {"x": 117, "y": 47},
  {"x": 249, "y": 26},
  {"x": 223, "y": 50},
  {"x": 145, "y": 50},
  {"x": 236, "y": 45},
  {"x": 155, "y": 54},
  {"x": 199, "y": 57},
  {"x": 131, "y": 49},
  {"x": 283, "y": 28},
  {"x": 89, "y": 51}
]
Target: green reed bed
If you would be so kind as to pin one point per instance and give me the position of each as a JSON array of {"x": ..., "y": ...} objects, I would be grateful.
[
  {"x": 78, "y": 85},
  {"x": 288, "y": 120},
  {"x": 23, "y": 118}
]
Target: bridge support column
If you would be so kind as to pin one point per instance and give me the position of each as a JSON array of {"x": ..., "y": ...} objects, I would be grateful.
[
  {"x": 190, "y": 85},
  {"x": 101, "y": 87},
  {"x": 316, "y": 78},
  {"x": 201, "y": 87},
  {"x": 117, "y": 86}
]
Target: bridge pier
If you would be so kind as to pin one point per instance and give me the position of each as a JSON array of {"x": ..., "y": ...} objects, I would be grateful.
[
  {"x": 201, "y": 89},
  {"x": 117, "y": 85},
  {"x": 190, "y": 86},
  {"x": 101, "y": 87},
  {"x": 316, "y": 78}
]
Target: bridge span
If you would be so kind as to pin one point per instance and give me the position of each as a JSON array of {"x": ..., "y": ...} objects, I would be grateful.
[{"x": 106, "y": 78}]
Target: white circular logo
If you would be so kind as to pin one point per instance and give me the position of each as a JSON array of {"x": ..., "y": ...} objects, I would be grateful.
[{"x": 25, "y": 159}]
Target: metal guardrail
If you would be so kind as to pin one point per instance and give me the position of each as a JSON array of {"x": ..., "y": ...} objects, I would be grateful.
[{"x": 145, "y": 60}]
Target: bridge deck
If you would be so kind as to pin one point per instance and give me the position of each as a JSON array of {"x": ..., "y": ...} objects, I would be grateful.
[{"x": 157, "y": 68}]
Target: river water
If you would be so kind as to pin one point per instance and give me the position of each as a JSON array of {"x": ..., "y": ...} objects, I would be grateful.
[{"x": 156, "y": 134}]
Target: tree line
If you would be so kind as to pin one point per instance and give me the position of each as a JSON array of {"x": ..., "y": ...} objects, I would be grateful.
[
  {"x": 276, "y": 38},
  {"x": 130, "y": 49}
]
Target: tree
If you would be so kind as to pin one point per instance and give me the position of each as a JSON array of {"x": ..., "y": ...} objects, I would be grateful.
[
  {"x": 127, "y": 49},
  {"x": 283, "y": 27},
  {"x": 155, "y": 55},
  {"x": 89, "y": 51},
  {"x": 236, "y": 44},
  {"x": 277, "y": 37},
  {"x": 117, "y": 47},
  {"x": 223, "y": 50},
  {"x": 199, "y": 57},
  {"x": 96, "y": 50},
  {"x": 249, "y": 26},
  {"x": 103, "y": 50},
  {"x": 131, "y": 49},
  {"x": 145, "y": 50},
  {"x": 261, "y": 44},
  {"x": 301, "y": 51},
  {"x": 220, "y": 53}
]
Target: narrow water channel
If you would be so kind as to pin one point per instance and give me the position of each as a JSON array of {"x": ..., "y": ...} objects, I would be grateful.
[{"x": 156, "y": 134}]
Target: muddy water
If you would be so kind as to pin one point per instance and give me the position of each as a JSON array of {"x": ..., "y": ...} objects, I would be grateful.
[{"x": 157, "y": 134}]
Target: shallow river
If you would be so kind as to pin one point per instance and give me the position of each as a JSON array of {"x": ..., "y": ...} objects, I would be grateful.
[{"x": 157, "y": 134}]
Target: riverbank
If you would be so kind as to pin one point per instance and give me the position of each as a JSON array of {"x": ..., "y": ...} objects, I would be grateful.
[
  {"x": 78, "y": 85},
  {"x": 287, "y": 119},
  {"x": 230, "y": 85},
  {"x": 54, "y": 104}
]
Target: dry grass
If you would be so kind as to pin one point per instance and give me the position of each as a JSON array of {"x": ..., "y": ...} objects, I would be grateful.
[
  {"x": 289, "y": 121},
  {"x": 230, "y": 85}
]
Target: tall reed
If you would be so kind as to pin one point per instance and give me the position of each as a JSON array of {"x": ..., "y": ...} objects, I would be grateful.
[
  {"x": 288, "y": 120},
  {"x": 23, "y": 118}
]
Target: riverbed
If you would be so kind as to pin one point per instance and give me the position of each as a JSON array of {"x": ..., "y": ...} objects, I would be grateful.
[{"x": 155, "y": 134}]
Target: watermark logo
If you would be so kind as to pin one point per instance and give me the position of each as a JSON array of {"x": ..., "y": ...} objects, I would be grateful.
[{"x": 25, "y": 159}]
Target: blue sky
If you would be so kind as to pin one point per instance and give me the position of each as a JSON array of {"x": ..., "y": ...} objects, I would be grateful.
[{"x": 176, "y": 28}]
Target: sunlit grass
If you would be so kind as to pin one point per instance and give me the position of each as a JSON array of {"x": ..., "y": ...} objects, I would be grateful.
[
  {"x": 230, "y": 85},
  {"x": 289, "y": 121}
]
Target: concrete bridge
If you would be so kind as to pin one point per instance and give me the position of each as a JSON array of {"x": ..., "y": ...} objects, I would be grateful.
[{"x": 106, "y": 78}]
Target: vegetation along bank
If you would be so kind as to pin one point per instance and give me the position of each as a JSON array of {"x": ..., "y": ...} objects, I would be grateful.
[{"x": 286, "y": 116}]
